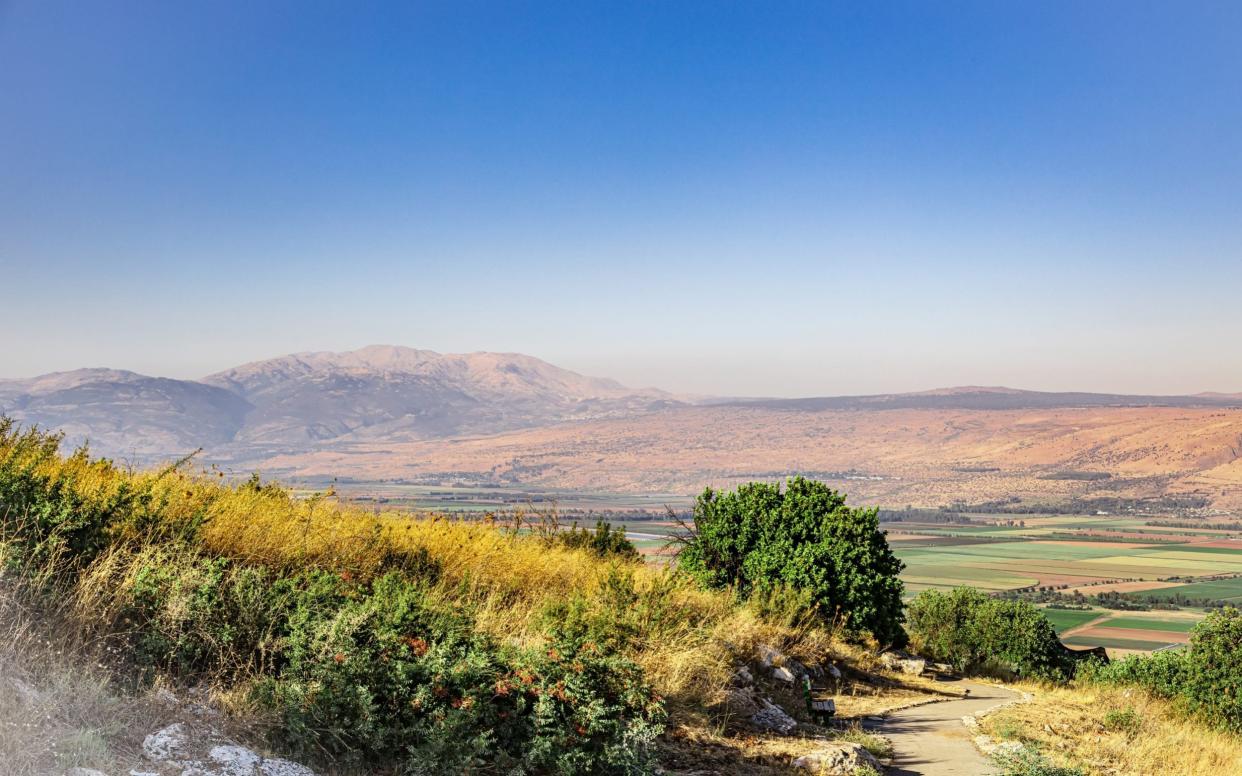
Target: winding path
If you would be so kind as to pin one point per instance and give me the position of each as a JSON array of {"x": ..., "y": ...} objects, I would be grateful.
[{"x": 930, "y": 740}]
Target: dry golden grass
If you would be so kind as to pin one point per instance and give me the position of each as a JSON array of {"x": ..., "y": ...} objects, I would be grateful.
[
  {"x": 1073, "y": 726},
  {"x": 58, "y": 707},
  {"x": 687, "y": 640},
  {"x": 510, "y": 582}
]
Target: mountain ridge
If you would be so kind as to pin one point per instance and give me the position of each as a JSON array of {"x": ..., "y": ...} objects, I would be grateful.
[
  {"x": 308, "y": 398},
  {"x": 387, "y": 412}
]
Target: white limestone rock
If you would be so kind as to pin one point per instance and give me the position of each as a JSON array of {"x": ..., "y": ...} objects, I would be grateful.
[
  {"x": 840, "y": 759},
  {"x": 278, "y": 767},
  {"x": 166, "y": 744},
  {"x": 772, "y": 717},
  {"x": 235, "y": 760}
]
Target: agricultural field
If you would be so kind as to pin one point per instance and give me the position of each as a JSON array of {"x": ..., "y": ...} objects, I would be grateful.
[
  {"x": 1088, "y": 554},
  {"x": 1117, "y": 647},
  {"x": 1224, "y": 590},
  {"x": 1066, "y": 619},
  {"x": 477, "y": 500},
  {"x": 1122, "y": 633}
]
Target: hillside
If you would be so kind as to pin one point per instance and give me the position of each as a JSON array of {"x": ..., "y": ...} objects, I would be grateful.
[
  {"x": 379, "y": 643},
  {"x": 386, "y": 412},
  {"x": 158, "y": 618},
  {"x": 125, "y": 414},
  {"x": 923, "y": 457},
  {"x": 300, "y": 401},
  {"x": 398, "y": 394}
]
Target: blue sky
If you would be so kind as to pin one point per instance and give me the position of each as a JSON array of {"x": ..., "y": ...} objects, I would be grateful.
[{"x": 742, "y": 198}]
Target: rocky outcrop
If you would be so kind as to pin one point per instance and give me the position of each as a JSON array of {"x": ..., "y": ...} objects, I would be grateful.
[
  {"x": 776, "y": 664},
  {"x": 167, "y": 744},
  {"x": 839, "y": 758},
  {"x": 176, "y": 750},
  {"x": 783, "y": 674},
  {"x": 773, "y": 718},
  {"x": 906, "y": 664},
  {"x": 743, "y": 701},
  {"x": 740, "y": 702}
]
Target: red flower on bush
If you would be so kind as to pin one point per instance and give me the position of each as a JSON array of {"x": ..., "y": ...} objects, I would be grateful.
[{"x": 417, "y": 645}]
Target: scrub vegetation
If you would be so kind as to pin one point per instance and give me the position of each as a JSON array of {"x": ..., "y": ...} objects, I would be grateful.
[
  {"x": 418, "y": 644},
  {"x": 978, "y": 634}
]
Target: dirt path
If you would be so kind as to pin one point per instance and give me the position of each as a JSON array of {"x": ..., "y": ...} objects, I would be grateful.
[
  {"x": 1085, "y": 625},
  {"x": 931, "y": 740}
]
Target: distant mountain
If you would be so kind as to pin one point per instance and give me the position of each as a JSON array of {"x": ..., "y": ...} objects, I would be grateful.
[
  {"x": 1230, "y": 397},
  {"x": 986, "y": 398},
  {"x": 126, "y": 414},
  {"x": 403, "y": 394},
  {"x": 381, "y": 398},
  {"x": 300, "y": 401}
]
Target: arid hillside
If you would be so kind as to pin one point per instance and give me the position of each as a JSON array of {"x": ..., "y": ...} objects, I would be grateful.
[
  {"x": 396, "y": 413},
  {"x": 921, "y": 457}
]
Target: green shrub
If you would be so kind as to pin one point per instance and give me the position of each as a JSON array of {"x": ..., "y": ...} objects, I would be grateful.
[
  {"x": 605, "y": 541},
  {"x": 1028, "y": 761},
  {"x": 974, "y": 632},
  {"x": 760, "y": 538},
  {"x": 1205, "y": 677},
  {"x": 383, "y": 672},
  {"x": 880, "y": 747},
  {"x": 384, "y": 669},
  {"x": 1125, "y": 720},
  {"x": 372, "y": 669}
]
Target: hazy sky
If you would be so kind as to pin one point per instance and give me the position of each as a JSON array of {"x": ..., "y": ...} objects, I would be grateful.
[{"x": 724, "y": 197}]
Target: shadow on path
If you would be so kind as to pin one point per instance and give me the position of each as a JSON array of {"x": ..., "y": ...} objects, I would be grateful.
[{"x": 930, "y": 740}]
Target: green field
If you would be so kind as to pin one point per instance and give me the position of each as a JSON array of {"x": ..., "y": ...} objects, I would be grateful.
[
  {"x": 1066, "y": 551},
  {"x": 1144, "y": 623},
  {"x": 1064, "y": 619},
  {"x": 1136, "y": 644},
  {"x": 1221, "y": 589},
  {"x": 1054, "y": 551}
]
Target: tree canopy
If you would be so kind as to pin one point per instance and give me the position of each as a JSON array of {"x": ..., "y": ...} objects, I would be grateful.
[
  {"x": 761, "y": 538},
  {"x": 975, "y": 632}
]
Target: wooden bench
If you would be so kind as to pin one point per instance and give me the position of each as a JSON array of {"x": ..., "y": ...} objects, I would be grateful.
[{"x": 821, "y": 710}]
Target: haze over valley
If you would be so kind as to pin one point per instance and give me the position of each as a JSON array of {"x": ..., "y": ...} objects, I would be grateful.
[{"x": 387, "y": 413}]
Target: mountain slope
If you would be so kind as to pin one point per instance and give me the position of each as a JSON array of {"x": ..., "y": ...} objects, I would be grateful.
[
  {"x": 920, "y": 457},
  {"x": 124, "y": 413},
  {"x": 988, "y": 398},
  {"x": 387, "y": 412},
  {"x": 397, "y": 393}
]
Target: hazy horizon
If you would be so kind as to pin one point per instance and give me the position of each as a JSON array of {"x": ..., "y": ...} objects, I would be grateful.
[
  {"x": 981, "y": 386},
  {"x": 751, "y": 200}
]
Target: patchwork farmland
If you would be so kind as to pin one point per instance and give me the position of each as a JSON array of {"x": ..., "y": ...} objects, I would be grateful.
[
  {"x": 1174, "y": 566},
  {"x": 1063, "y": 554},
  {"x": 1176, "y": 571}
]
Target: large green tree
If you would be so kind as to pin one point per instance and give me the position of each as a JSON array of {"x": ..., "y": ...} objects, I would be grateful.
[{"x": 761, "y": 538}]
